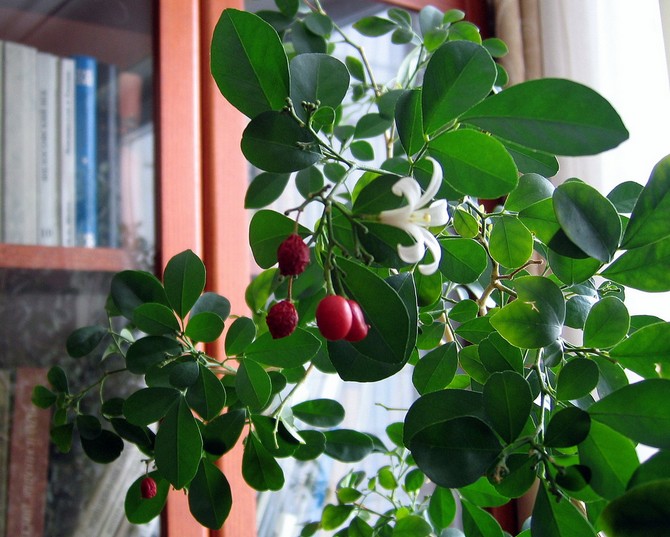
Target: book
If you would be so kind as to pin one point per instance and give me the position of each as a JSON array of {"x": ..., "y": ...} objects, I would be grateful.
[
  {"x": 5, "y": 400},
  {"x": 66, "y": 151},
  {"x": 108, "y": 156},
  {"x": 48, "y": 200},
  {"x": 19, "y": 169},
  {"x": 28, "y": 457},
  {"x": 86, "y": 150}
]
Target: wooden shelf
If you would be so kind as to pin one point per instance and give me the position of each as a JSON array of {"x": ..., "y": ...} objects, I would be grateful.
[{"x": 19, "y": 256}]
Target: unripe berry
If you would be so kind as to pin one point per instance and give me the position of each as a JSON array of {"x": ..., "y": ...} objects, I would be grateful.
[
  {"x": 148, "y": 488},
  {"x": 292, "y": 256},
  {"x": 282, "y": 319},
  {"x": 359, "y": 328},
  {"x": 334, "y": 317}
]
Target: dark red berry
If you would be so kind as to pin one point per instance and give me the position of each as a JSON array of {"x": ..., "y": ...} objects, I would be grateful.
[
  {"x": 282, "y": 319},
  {"x": 359, "y": 328},
  {"x": 334, "y": 317},
  {"x": 148, "y": 488},
  {"x": 292, "y": 255}
]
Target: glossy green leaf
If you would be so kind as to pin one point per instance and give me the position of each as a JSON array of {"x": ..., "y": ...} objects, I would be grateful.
[
  {"x": 309, "y": 181},
  {"x": 541, "y": 220},
  {"x": 131, "y": 288},
  {"x": 412, "y": 526},
  {"x": 639, "y": 411},
  {"x": 275, "y": 142},
  {"x": 149, "y": 351},
  {"x": 458, "y": 76},
  {"x": 507, "y": 401},
  {"x": 84, "y": 340},
  {"x": 497, "y": 354},
  {"x": 409, "y": 121},
  {"x": 184, "y": 281},
  {"x": 143, "y": 437},
  {"x": 103, "y": 448},
  {"x": 466, "y": 225},
  {"x": 479, "y": 523},
  {"x": 304, "y": 41},
  {"x": 644, "y": 348},
  {"x": 314, "y": 446},
  {"x": 265, "y": 188},
  {"x": 568, "y": 427},
  {"x": 552, "y": 518},
  {"x": 463, "y": 260},
  {"x": 640, "y": 512},
  {"x": 649, "y": 218},
  {"x": 624, "y": 196},
  {"x": 58, "y": 379},
  {"x": 43, "y": 397},
  {"x": 149, "y": 405},
  {"x": 643, "y": 268},
  {"x": 371, "y": 125},
  {"x": 571, "y": 271},
  {"x": 532, "y": 188},
  {"x": 248, "y": 63},
  {"x": 209, "y": 496},
  {"x": 260, "y": 469},
  {"x": 222, "y": 433},
  {"x": 521, "y": 476},
  {"x": 290, "y": 351},
  {"x": 455, "y": 453},
  {"x": 475, "y": 164},
  {"x": 611, "y": 457},
  {"x": 61, "y": 436},
  {"x": 212, "y": 303},
  {"x": 356, "y": 69},
  {"x": 319, "y": 412},
  {"x": 577, "y": 379},
  {"x": 347, "y": 445},
  {"x": 589, "y": 220},
  {"x": 374, "y": 26},
  {"x": 178, "y": 445},
  {"x": 141, "y": 510},
  {"x": 155, "y": 319},
  {"x": 483, "y": 494},
  {"x": 317, "y": 77},
  {"x": 334, "y": 516},
  {"x": 436, "y": 369},
  {"x": 239, "y": 336},
  {"x": 654, "y": 468},
  {"x": 204, "y": 327},
  {"x": 206, "y": 396},
  {"x": 529, "y": 160},
  {"x": 442, "y": 507},
  {"x": 607, "y": 323},
  {"x": 267, "y": 231},
  {"x": 252, "y": 384},
  {"x": 553, "y": 115},
  {"x": 510, "y": 242},
  {"x": 89, "y": 426},
  {"x": 536, "y": 318}
]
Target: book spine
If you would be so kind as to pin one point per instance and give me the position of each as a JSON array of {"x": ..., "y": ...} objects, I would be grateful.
[
  {"x": 19, "y": 141},
  {"x": 48, "y": 232},
  {"x": 66, "y": 152},
  {"x": 28, "y": 458},
  {"x": 86, "y": 150},
  {"x": 5, "y": 400}
]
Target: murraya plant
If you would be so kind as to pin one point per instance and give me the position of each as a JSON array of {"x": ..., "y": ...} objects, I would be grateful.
[{"x": 408, "y": 270}]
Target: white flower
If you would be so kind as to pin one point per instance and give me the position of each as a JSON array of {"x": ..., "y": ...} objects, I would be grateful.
[{"x": 415, "y": 217}]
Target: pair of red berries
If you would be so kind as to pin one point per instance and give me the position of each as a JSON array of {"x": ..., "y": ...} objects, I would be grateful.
[{"x": 341, "y": 318}]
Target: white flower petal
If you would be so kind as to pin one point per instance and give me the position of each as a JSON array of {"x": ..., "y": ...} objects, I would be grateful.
[
  {"x": 439, "y": 215},
  {"x": 410, "y": 189},
  {"x": 433, "y": 186},
  {"x": 435, "y": 249},
  {"x": 396, "y": 217},
  {"x": 413, "y": 253}
]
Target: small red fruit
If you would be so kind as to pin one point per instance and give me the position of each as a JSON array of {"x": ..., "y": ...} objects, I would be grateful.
[
  {"x": 292, "y": 255},
  {"x": 334, "y": 317},
  {"x": 282, "y": 319},
  {"x": 359, "y": 328},
  {"x": 148, "y": 488}
]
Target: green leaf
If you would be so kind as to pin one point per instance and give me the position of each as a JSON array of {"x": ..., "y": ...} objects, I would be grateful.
[
  {"x": 58, "y": 379},
  {"x": 265, "y": 188},
  {"x": 644, "y": 349},
  {"x": 640, "y": 512},
  {"x": 206, "y": 396},
  {"x": 142, "y": 437},
  {"x": 355, "y": 67},
  {"x": 497, "y": 354},
  {"x": 607, "y": 323},
  {"x": 347, "y": 445},
  {"x": 589, "y": 220},
  {"x": 149, "y": 405},
  {"x": 290, "y": 351},
  {"x": 436, "y": 369},
  {"x": 309, "y": 181},
  {"x": 409, "y": 121},
  {"x": 184, "y": 281},
  {"x": 267, "y": 231},
  {"x": 532, "y": 188},
  {"x": 304, "y": 41},
  {"x": 213, "y": 303},
  {"x": 474, "y": 163},
  {"x": 204, "y": 327},
  {"x": 458, "y": 75},
  {"x": 314, "y": 446},
  {"x": 568, "y": 427},
  {"x": 455, "y": 453},
  {"x": 507, "y": 401},
  {"x": 132, "y": 288},
  {"x": 577, "y": 379},
  {"x": 141, "y": 510},
  {"x": 520, "y": 478},
  {"x": 479, "y": 523},
  {"x": 510, "y": 242},
  {"x": 319, "y": 412},
  {"x": 643, "y": 268},
  {"x": 530, "y": 160},
  {"x": 248, "y": 63},
  {"x": 61, "y": 436},
  {"x": 465, "y": 224},
  {"x": 239, "y": 336},
  {"x": 334, "y": 516},
  {"x": 260, "y": 469},
  {"x": 639, "y": 411},
  {"x": 558, "y": 116},
  {"x": 221, "y": 434},
  {"x": 317, "y": 78},
  {"x": 624, "y": 196},
  {"x": 178, "y": 445},
  {"x": 252, "y": 384},
  {"x": 463, "y": 260},
  {"x": 571, "y": 271},
  {"x": 442, "y": 507},
  {"x": 611, "y": 457},
  {"x": 209, "y": 496},
  {"x": 411, "y": 526},
  {"x": 371, "y": 125},
  {"x": 84, "y": 340},
  {"x": 553, "y": 518},
  {"x": 536, "y": 318},
  {"x": 104, "y": 448},
  {"x": 43, "y": 397},
  {"x": 149, "y": 351},
  {"x": 89, "y": 426},
  {"x": 483, "y": 494},
  {"x": 275, "y": 142},
  {"x": 649, "y": 219},
  {"x": 155, "y": 319},
  {"x": 374, "y": 26}
]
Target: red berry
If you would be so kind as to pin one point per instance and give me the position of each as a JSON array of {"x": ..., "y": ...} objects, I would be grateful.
[
  {"x": 292, "y": 255},
  {"x": 148, "y": 488},
  {"x": 282, "y": 319},
  {"x": 359, "y": 328},
  {"x": 334, "y": 317}
]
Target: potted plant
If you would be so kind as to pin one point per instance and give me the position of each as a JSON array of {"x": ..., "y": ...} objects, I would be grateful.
[{"x": 408, "y": 269}]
